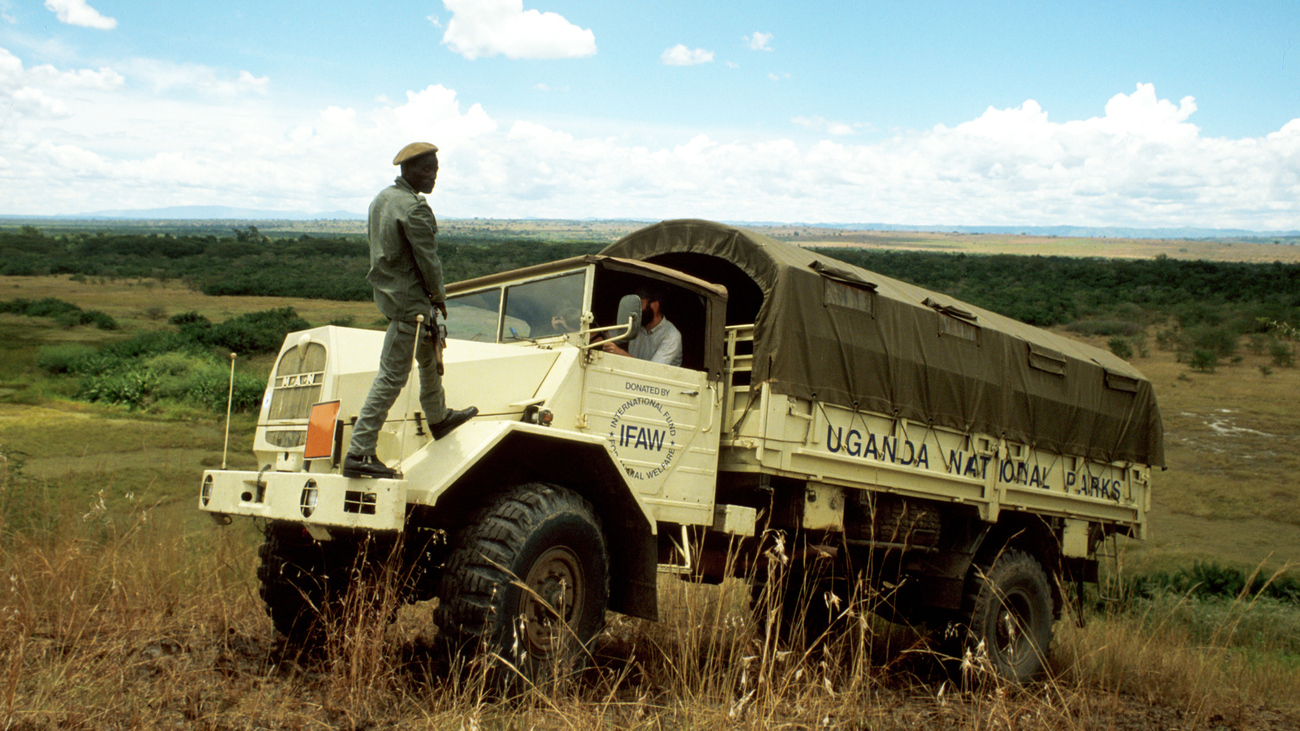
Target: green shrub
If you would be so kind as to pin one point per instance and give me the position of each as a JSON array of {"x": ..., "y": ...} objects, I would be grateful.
[
  {"x": 256, "y": 332},
  {"x": 1281, "y": 354},
  {"x": 101, "y": 320},
  {"x": 188, "y": 318},
  {"x": 1204, "y": 361},
  {"x": 210, "y": 386},
  {"x": 176, "y": 366},
  {"x": 133, "y": 388},
  {"x": 175, "y": 363},
  {"x": 65, "y": 314},
  {"x": 65, "y": 358},
  {"x": 1120, "y": 347},
  {"x": 1220, "y": 340}
]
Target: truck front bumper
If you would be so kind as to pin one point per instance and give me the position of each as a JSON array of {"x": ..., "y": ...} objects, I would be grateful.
[{"x": 311, "y": 499}]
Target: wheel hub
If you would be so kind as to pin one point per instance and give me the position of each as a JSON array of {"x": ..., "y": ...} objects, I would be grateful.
[{"x": 556, "y": 589}]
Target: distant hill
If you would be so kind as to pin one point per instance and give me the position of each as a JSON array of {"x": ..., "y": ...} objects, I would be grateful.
[{"x": 227, "y": 213}]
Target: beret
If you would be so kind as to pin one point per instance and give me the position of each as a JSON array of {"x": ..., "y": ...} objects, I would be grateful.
[{"x": 414, "y": 150}]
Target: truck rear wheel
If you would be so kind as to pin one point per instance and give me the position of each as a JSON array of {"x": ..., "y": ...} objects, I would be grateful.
[
  {"x": 527, "y": 579},
  {"x": 1012, "y": 616}
]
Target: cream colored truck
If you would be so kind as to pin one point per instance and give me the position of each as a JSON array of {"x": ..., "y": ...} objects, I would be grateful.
[{"x": 953, "y": 464}]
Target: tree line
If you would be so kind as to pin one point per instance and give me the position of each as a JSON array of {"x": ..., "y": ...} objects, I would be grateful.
[{"x": 1040, "y": 290}]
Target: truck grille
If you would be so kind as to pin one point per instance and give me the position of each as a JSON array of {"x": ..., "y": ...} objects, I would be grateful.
[{"x": 296, "y": 386}]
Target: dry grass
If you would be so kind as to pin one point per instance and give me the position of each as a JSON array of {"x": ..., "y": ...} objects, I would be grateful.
[
  {"x": 125, "y": 621},
  {"x": 122, "y": 607}
]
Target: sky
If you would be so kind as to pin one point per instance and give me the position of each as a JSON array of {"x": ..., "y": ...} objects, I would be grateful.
[{"x": 1125, "y": 113}]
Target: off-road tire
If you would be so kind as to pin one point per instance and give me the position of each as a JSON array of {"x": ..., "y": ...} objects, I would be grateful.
[
  {"x": 1012, "y": 616},
  {"x": 545, "y": 537},
  {"x": 302, "y": 580}
]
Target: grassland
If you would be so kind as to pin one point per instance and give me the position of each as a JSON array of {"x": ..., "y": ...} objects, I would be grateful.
[{"x": 124, "y": 607}]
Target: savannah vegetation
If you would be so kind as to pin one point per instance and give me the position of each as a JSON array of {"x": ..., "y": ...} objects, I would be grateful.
[{"x": 125, "y": 607}]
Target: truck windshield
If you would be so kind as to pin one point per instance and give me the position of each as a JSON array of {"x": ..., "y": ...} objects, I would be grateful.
[{"x": 536, "y": 309}]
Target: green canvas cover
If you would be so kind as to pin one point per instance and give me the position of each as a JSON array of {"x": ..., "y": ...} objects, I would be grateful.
[{"x": 829, "y": 331}]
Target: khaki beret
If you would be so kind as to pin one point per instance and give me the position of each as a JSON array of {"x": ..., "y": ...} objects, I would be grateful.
[{"x": 414, "y": 150}]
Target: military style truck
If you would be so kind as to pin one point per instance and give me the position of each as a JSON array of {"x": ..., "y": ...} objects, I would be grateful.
[{"x": 959, "y": 465}]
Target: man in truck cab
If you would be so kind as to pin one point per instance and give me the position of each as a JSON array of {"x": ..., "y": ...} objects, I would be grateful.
[
  {"x": 658, "y": 339},
  {"x": 407, "y": 278}
]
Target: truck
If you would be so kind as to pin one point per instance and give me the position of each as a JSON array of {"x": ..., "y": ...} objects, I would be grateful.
[{"x": 960, "y": 466}]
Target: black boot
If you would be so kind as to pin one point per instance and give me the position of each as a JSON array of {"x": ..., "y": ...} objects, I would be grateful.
[
  {"x": 366, "y": 465},
  {"x": 453, "y": 420}
]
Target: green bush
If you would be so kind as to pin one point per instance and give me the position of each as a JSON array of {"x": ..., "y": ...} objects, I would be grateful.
[
  {"x": 64, "y": 359},
  {"x": 1281, "y": 354},
  {"x": 188, "y": 318},
  {"x": 180, "y": 377},
  {"x": 99, "y": 320},
  {"x": 133, "y": 388},
  {"x": 1120, "y": 347},
  {"x": 256, "y": 332},
  {"x": 1204, "y": 361},
  {"x": 178, "y": 366},
  {"x": 65, "y": 314},
  {"x": 1220, "y": 340},
  {"x": 1169, "y": 339},
  {"x": 210, "y": 387}
]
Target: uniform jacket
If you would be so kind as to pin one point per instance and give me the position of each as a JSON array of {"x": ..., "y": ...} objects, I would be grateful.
[{"x": 404, "y": 267}]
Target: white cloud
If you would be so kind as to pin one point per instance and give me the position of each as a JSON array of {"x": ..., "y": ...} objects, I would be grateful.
[
  {"x": 77, "y": 141},
  {"x": 502, "y": 27},
  {"x": 680, "y": 55},
  {"x": 38, "y": 92},
  {"x": 778, "y": 77},
  {"x": 165, "y": 76},
  {"x": 758, "y": 41},
  {"x": 37, "y": 103},
  {"x": 105, "y": 79},
  {"x": 77, "y": 12}
]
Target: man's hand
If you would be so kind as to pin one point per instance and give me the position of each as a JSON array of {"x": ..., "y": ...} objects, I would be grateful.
[
  {"x": 612, "y": 347},
  {"x": 442, "y": 308}
]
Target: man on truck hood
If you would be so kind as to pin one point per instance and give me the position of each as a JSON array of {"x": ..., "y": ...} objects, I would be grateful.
[{"x": 407, "y": 278}]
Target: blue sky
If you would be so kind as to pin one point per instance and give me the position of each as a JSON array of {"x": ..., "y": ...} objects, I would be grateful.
[{"x": 1095, "y": 113}]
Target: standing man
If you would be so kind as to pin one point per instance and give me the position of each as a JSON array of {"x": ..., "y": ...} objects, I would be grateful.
[
  {"x": 659, "y": 340},
  {"x": 407, "y": 278}
]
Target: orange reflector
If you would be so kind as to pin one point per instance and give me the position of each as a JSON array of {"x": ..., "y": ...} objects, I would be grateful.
[{"x": 320, "y": 431}]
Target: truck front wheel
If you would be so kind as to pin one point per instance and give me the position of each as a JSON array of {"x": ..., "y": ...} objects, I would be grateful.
[
  {"x": 296, "y": 580},
  {"x": 1012, "y": 617},
  {"x": 527, "y": 578}
]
